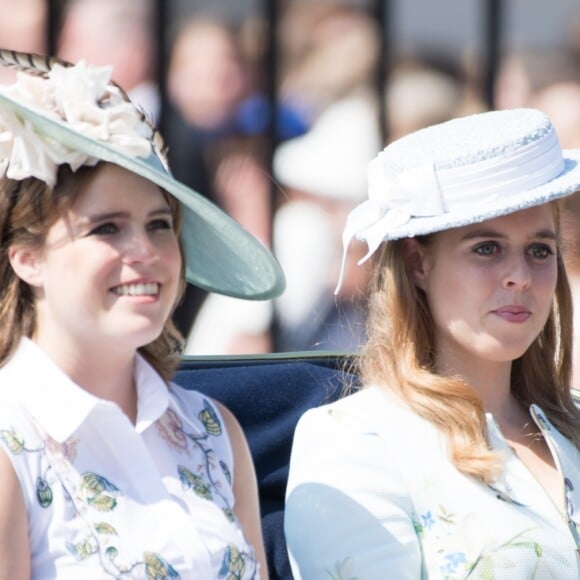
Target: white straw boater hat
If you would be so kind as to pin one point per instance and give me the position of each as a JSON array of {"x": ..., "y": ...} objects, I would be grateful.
[
  {"x": 460, "y": 172},
  {"x": 57, "y": 113}
]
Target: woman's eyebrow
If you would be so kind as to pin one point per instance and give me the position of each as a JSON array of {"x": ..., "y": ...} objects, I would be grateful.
[
  {"x": 548, "y": 234},
  {"x": 483, "y": 234},
  {"x": 99, "y": 217}
]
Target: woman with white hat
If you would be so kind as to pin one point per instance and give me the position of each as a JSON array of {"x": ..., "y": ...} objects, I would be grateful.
[
  {"x": 460, "y": 456},
  {"x": 108, "y": 469}
]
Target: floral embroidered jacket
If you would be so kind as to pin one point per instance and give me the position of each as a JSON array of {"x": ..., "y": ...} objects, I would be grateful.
[
  {"x": 108, "y": 499},
  {"x": 372, "y": 495}
]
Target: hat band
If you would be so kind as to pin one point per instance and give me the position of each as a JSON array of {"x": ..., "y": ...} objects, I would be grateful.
[{"x": 427, "y": 191}]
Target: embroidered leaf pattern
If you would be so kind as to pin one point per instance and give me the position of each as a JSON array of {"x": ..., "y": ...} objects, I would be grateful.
[
  {"x": 226, "y": 471},
  {"x": 446, "y": 516},
  {"x": 102, "y": 503},
  {"x": 157, "y": 568},
  {"x": 105, "y": 529},
  {"x": 233, "y": 565},
  {"x": 190, "y": 480},
  {"x": 81, "y": 551},
  {"x": 229, "y": 514},
  {"x": 43, "y": 493},
  {"x": 210, "y": 420},
  {"x": 205, "y": 478},
  {"x": 13, "y": 441},
  {"x": 93, "y": 488},
  {"x": 96, "y": 484}
]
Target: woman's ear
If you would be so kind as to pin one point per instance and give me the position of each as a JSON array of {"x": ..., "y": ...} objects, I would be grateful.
[
  {"x": 415, "y": 254},
  {"x": 26, "y": 264}
]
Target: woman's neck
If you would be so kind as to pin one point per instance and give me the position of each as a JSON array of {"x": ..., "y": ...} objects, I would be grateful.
[{"x": 491, "y": 380}]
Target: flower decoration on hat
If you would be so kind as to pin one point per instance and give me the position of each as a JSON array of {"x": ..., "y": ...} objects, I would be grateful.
[{"x": 81, "y": 96}]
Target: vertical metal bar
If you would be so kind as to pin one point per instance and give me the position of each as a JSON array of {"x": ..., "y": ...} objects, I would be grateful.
[
  {"x": 53, "y": 22},
  {"x": 493, "y": 37},
  {"x": 271, "y": 15},
  {"x": 271, "y": 65},
  {"x": 160, "y": 24},
  {"x": 384, "y": 16}
]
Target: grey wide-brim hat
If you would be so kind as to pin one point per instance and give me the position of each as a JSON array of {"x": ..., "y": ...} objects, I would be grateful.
[
  {"x": 464, "y": 171},
  {"x": 220, "y": 255}
]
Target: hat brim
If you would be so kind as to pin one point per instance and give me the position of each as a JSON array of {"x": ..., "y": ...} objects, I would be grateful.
[
  {"x": 220, "y": 255},
  {"x": 565, "y": 184}
]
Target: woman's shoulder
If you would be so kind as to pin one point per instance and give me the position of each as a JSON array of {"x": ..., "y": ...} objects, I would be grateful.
[
  {"x": 372, "y": 430},
  {"x": 193, "y": 403},
  {"x": 371, "y": 408},
  {"x": 15, "y": 419},
  {"x": 205, "y": 415}
]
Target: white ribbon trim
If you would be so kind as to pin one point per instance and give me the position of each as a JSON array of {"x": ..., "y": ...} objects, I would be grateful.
[{"x": 427, "y": 191}]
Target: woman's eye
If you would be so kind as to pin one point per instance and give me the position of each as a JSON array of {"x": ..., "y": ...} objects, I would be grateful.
[
  {"x": 159, "y": 224},
  {"x": 541, "y": 251},
  {"x": 104, "y": 229},
  {"x": 487, "y": 249}
]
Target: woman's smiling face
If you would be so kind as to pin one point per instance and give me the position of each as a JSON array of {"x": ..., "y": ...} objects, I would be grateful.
[
  {"x": 490, "y": 286},
  {"x": 109, "y": 271}
]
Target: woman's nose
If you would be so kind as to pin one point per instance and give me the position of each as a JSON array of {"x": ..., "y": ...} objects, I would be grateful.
[
  {"x": 140, "y": 248},
  {"x": 518, "y": 273}
]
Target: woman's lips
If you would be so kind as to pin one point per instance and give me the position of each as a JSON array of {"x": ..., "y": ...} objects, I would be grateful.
[{"x": 513, "y": 313}]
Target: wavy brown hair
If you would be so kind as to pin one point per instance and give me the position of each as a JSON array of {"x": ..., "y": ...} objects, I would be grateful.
[
  {"x": 400, "y": 354},
  {"x": 28, "y": 209}
]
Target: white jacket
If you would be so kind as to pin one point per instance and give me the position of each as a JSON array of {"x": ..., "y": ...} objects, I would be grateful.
[{"x": 373, "y": 495}]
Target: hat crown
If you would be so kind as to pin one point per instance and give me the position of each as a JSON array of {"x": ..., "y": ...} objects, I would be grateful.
[{"x": 466, "y": 140}]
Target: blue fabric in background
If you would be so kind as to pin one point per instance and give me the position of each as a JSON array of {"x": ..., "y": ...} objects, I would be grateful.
[{"x": 268, "y": 399}]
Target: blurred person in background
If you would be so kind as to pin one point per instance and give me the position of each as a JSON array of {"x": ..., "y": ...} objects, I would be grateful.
[
  {"x": 310, "y": 83},
  {"x": 421, "y": 92},
  {"x": 22, "y": 28},
  {"x": 119, "y": 33},
  {"x": 328, "y": 49},
  {"x": 206, "y": 83},
  {"x": 208, "y": 147},
  {"x": 323, "y": 176}
]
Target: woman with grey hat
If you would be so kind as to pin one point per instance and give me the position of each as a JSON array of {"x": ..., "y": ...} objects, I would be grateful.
[
  {"x": 460, "y": 455},
  {"x": 108, "y": 469}
]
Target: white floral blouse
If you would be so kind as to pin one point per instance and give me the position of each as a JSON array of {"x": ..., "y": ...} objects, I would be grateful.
[
  {"x": 108, "y": 499},
  {"x": 372, "y": 495}
]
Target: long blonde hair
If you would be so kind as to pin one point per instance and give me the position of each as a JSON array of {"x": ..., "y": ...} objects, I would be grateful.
[
  {"x": 399, "y": 354},
  {"x": 28, "y": 208}
]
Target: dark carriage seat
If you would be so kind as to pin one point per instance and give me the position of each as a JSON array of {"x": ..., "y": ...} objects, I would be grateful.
[{"x": 268, "y": 394}]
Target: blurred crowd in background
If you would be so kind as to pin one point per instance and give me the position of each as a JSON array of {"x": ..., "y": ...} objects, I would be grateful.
[{"x": 295, "y": 197}]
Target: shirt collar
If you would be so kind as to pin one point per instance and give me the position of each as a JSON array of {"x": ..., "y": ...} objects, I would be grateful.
[
  {"x": 152, "y": 394},
  {"x": 59, "y": 405}
]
